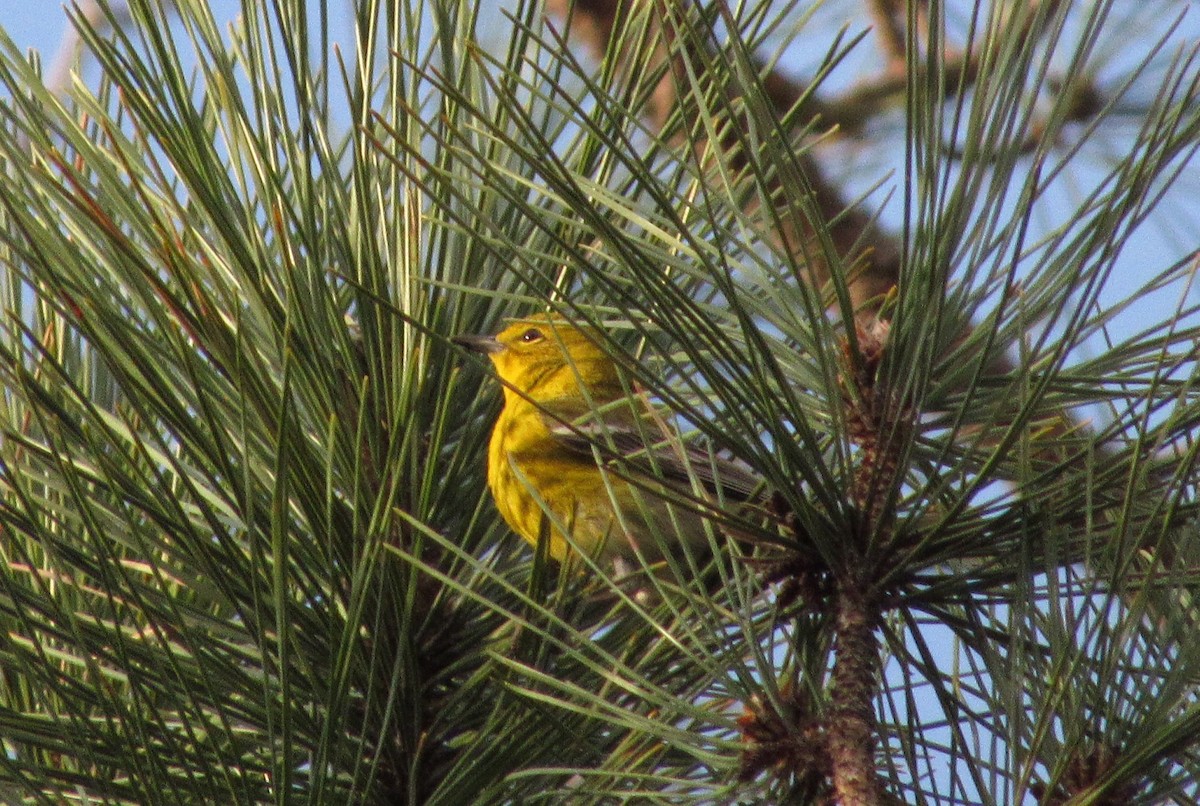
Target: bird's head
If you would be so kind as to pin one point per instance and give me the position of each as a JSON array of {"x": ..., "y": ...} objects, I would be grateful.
[{"x": 545, "y": 357}]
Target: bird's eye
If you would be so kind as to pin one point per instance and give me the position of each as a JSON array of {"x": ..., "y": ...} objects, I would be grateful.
[{"x": 531, "y": 335}]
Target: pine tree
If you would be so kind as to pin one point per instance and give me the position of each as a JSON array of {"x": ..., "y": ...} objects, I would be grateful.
[{"x": 936, "y": 294}]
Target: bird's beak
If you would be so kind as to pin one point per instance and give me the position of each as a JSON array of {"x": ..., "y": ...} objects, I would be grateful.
[{"x": 479, "y": 344}]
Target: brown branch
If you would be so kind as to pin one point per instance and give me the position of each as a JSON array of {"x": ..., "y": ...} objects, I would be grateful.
[
  {"x": 868, "y": 99},
  {"x": 849, "y": 112},
  {"x": 891, "y": 33},
  {"x": 675, "y": 46},
  {"x": 673, "y": 50},
  {"x": 851, "y": 725}
]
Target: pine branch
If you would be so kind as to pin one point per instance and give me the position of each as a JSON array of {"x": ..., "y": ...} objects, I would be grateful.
[
  {"x": 858, "y": 241},
  {"x": 851, "y": 727}
]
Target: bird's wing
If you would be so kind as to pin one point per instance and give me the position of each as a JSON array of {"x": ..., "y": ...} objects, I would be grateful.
[{"x": 644, "y": 445}]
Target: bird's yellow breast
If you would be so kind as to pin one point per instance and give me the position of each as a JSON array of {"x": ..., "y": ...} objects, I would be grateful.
[{"x": 572, "y": 496}]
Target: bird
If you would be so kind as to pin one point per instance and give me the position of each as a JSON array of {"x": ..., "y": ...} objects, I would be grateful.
[{"x": 579, "y": 460}]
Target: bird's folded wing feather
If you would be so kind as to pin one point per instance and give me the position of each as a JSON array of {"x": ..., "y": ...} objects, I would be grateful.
[{"x": 641, "y": 444}]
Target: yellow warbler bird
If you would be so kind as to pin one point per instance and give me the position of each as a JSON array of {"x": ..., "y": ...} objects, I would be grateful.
[{"x": 565, "y": 403}]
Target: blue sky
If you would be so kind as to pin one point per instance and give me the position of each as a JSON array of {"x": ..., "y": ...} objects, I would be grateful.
[{"x": 34, "y": 25}]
